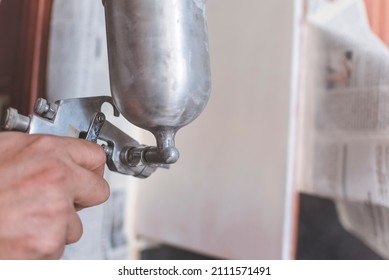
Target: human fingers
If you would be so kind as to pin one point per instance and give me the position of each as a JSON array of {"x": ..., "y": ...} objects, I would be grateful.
[
  {"x": 87, "y": 154},
  {"x": 13, "y": 143},
  {"x": 82, "y": 152},
  {"x": 91, "y": 190},
  {"x": 44, "y": 165},
  {"x": 74, "y": 228}
]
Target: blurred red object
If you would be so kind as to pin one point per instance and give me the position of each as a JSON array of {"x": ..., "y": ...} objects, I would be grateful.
[
  {"x": 378, "y": 16},
  {"x": 24, "y": 40}
]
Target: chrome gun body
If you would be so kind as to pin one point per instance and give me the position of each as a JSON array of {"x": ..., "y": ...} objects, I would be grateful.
[{"x": 82, "y": 118}]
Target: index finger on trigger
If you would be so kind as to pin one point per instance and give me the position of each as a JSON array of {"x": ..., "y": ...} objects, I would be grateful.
[{"x": 87, "y": 154}]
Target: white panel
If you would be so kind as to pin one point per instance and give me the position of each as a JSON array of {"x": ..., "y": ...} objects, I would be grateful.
[{"x": 225, "y": 197}]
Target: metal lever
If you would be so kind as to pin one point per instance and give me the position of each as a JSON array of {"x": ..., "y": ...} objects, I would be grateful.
[{"x": 95, "y": 127}]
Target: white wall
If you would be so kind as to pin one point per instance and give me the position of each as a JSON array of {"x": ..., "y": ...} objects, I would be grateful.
[{"x": 226, "y": 195}]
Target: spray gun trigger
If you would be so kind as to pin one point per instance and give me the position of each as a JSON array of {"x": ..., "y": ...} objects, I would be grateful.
[{"x": 95, "y": 127}]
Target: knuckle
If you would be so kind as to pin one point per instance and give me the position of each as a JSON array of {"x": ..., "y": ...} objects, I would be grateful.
[
  {"x": 105, "y": 191},
  {"x": 57, "y": 165},
  {"x": 56, "y": 169},
  {"x": 45, "y": 246},
  {"x": 47, "y": 241},
  {"x": 56, "y": 207},
  {"x": 96, "y": 150},
  {"x": 100, "y": 155},
  {"x": 95, "y": 154},
  {"x": 76, "y": 237},
  {"x": 101, "y": 190},
  {"x": 49, "y": 247},
  {"x": 77, "y": 231},
  {"x": 43, "y": 143}
]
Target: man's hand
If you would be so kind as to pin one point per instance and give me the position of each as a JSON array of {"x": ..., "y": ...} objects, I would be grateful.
[{"x": 44, "y": 180}]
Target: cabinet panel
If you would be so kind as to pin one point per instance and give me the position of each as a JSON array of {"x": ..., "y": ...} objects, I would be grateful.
[{"x": 24, "y": 33}]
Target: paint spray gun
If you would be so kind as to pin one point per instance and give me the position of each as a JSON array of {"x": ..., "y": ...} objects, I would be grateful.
[{"x": 160, "y": 81}]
